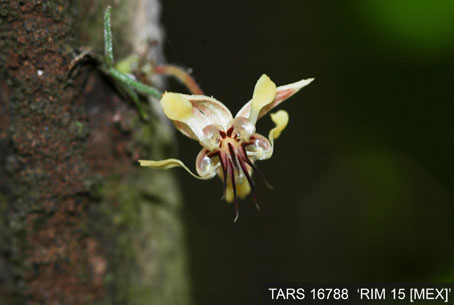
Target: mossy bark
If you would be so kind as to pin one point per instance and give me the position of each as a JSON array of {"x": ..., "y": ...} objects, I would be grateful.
[{"x": 81, "y": 222}]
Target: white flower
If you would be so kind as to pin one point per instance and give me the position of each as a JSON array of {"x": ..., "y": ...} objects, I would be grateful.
[{"x": 230, "y": 145}]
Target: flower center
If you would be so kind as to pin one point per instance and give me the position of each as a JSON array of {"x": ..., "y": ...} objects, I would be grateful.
[
  {"x": 228, "y": 138},
  {"x": 231, "y": 155}
]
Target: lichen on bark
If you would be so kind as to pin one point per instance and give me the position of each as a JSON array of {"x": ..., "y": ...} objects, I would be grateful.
[
  {"x": 45, "y": 251},
  {"x": 81, "y": 223}
]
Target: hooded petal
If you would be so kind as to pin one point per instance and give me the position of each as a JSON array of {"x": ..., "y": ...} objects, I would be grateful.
[
  {"x": 282, "y": 93},
  {"x": 205, "y": 165},
  {"x": 192, "y": 113}
]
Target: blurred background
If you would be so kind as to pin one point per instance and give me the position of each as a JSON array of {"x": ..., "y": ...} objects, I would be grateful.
[{"x": 363, "y": 174}]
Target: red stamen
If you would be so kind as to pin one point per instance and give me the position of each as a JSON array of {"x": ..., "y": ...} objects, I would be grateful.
[
  {"x": 232, "y": 178},
  {"x": 213, "y": 154},
  {"x": 250, "y": 181},
  {"x": 233, "y": 156},
  {"x": 223, "y": 160},
  {"x": 229, "y": 132},
  {"x": 249, "y": 162}
]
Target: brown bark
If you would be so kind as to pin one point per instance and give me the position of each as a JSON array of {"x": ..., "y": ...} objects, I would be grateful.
[{"x": 82, "y": 223}]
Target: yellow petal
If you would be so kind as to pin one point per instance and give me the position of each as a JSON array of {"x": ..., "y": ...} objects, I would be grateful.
[
  {"x": 229, "y": 193},
  {"x": 282, "y": 94},
  {"x": 242, "y": 190},
  {"x": 170, "y": 163},
  {"x": 279, "y": 118},
  {"x": 264, "y": 94},
  {"x": 176, "y": 106},
  {"x": 192, "y": 113}
]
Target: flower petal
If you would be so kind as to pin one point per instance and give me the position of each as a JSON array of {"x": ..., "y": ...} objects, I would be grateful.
[
  {"x": 192, "y": 113},
  {"x": 262, "y": 148},
  {"x": 205, "y": 165},
  {"x": 170, "y": 163},
  {"x": 264, "y": 94},
  {"x": 282, "y": 93},
  {"x": 210, "y": 109},
  {"x": 242, "y": 190},
  {"x": 176, "y": 106},
  {"x": 279, "y": 118}
]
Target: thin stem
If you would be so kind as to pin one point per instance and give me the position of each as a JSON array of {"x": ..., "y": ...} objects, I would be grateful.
[
  {"x": 182, "y": 76},
  {"x": 108, "y": 50},
  {"x": 131, "y": 82}
]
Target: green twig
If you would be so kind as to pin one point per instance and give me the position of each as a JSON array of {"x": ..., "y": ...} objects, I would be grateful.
[
  {"x": 131, "y": 82},
  {"x": 123, "y": 81},
  {"x": 108, "y": 50}
]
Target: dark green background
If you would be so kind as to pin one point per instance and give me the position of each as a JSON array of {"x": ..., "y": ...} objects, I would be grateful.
[{"x": 363, "y": 174}]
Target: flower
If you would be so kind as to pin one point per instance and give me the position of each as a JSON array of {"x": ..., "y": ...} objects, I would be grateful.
[{"x": 230, "y": 145}]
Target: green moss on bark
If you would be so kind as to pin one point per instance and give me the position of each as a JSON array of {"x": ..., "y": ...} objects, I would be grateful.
[
  {"x": 144, "y": 243},
  {"x": 81, "y": 222}
]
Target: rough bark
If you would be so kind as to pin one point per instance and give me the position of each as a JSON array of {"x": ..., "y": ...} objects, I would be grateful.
[{"x": 82, "y": 223}]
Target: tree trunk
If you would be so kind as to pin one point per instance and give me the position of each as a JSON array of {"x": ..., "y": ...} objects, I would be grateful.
[{"x": 81, "y": 222}]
